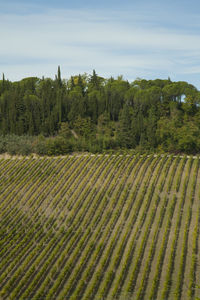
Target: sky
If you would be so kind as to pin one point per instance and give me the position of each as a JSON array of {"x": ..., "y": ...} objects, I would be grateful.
[{"x": 134, "y": 38}]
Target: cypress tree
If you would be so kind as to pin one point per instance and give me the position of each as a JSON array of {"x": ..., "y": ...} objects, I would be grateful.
[
  {"x": 3, "y": 83},
  {"x": 58, "y": 77},
  {"x": 125, "y": 138}
]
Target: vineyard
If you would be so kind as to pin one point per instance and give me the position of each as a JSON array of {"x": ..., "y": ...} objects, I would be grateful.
[{"x": 100, "y": 227}]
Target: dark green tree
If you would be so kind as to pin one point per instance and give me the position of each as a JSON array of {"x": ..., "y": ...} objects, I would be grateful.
[{"x": 125, "y": 137}]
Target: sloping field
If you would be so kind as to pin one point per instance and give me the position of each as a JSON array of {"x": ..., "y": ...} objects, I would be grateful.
[{"x": 100, "y": 227}]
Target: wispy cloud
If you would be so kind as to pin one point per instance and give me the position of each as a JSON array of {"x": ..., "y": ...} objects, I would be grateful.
[{"x": 112, "y": 42}]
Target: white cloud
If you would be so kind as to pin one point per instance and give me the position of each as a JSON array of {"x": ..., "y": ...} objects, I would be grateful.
[
  {"x": 191, "y": 70},
  {"x": 112, "y": 43}
]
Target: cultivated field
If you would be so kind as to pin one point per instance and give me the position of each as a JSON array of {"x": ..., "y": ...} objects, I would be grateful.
[{"x": 100, "y": 227}]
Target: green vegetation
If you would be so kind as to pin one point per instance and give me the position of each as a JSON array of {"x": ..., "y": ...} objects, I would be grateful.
[
  {"x": 91, "y": 113},
  {"x": 112, "y": 226}
]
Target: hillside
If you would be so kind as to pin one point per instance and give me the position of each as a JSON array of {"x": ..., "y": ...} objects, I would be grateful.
[
  {"x": 95, "y": 114},
  {"x": 100, "y": 227}
]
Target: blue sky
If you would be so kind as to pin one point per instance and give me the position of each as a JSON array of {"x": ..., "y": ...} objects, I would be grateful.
[{"x": 138, "y": 38}]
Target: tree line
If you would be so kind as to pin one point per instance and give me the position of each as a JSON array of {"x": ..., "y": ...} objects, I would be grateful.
[{"x": 92, "y": 113}]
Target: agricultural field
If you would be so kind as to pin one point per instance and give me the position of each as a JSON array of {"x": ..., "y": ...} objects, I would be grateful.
[{"x": 100, "y": 227}]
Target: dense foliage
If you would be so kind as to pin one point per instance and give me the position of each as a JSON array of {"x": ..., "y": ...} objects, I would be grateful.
[{"x": 88, "y": 112}]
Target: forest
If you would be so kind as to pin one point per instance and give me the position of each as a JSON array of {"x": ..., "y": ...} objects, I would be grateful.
[{"x": 91, "y": 113}]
